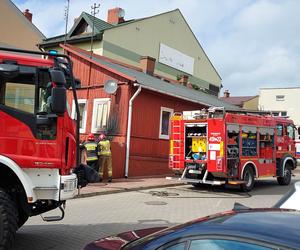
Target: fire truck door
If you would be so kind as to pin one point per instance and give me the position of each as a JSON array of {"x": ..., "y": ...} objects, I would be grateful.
[
  {"x": 291, "y": 138},
  {"x": 28, "y": 130}
]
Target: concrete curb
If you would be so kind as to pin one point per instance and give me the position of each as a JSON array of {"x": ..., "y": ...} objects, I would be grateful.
[
  {"x": 117, "y": 190},
  {"x": 122, "y": 190}
]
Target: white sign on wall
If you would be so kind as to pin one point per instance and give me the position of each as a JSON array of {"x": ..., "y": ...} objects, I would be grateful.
[{"x": 176, "y": 59}]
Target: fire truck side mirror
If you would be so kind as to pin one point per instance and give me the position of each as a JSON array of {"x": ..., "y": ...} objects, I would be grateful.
[
  {"x": 298, "y": 132},
  {"x": 58, "y": 77},
  {"x": 59, "y": 92},
  {"x": 59, "y": 99}
]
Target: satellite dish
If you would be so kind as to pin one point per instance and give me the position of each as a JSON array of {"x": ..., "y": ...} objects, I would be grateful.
[
  {"x": 121, "y": 13},
  {"x": 110, "y": 86}
]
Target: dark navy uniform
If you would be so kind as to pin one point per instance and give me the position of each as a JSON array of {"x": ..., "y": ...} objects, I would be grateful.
[{"x": 92, "y": 154}]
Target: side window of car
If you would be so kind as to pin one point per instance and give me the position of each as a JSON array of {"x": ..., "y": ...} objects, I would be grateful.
[
  {"x": 215, "y": 244},
  {"x": 178, "y": 246}
]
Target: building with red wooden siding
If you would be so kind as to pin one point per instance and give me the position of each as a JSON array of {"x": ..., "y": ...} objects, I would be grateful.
[{"x": 140, "y": 131}]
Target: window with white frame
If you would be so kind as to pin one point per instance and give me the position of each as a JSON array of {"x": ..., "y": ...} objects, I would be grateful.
[
  {"x": 280, "y": 97},
  {"x": 164, "y": 126},
  {"x": 100, "y": 114},
  {"x": 82, "y": 112}
]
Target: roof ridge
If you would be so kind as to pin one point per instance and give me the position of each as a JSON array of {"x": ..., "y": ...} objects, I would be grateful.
[{"x": 96, "y": 18}]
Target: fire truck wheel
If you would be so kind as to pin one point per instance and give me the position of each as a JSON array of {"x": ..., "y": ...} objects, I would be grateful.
[
  {"x": 248, "y": 177},
  {"x": 22, "y": 219},
  {"x": 286, "y": 178},
  {"x": 197, "y": 185},
  {"x": 8, "y": 220}
]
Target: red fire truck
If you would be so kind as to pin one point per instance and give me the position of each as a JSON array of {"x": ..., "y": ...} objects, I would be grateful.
[
  {"x": 38, "y": 138},
  {"x": 298, "y": 149},
  {"x": 218, "y": 146}
]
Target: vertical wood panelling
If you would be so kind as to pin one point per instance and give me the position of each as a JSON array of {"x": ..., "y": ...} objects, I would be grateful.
[
  {"x": 148, "y": 154},
  {"x": 145, "y": 140}
]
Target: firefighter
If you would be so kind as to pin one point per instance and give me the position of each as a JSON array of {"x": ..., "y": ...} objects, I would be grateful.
[
  {"x": 91, "y": 152},
  {"x": 105, "y": 160},
  {"x": 83, "y": 153}
]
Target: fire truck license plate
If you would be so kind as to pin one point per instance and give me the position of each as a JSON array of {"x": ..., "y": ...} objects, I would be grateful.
[{"x": 193, "y": 171}]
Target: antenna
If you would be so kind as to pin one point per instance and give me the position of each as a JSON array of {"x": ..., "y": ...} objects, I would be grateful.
[
  {"x": 67, "y": 19},
  {"x": 94, "y": 11},
  {"x": 121, "y": 13},
  {"x": 110, "y": 86}
]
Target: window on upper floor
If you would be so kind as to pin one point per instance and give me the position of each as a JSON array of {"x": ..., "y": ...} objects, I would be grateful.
[
  {"x": 280, "y": 97},
  {"x": 283, "y": 113}
]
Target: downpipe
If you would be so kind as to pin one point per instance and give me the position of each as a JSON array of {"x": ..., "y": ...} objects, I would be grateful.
[{"x": 129, "y": 128}]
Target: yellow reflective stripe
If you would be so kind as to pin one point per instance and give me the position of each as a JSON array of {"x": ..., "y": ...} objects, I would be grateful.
[
  {"x": 92, "y": 158},
  {"x": 221, "y": 148},
  {"x": 91, "y": 147},
  {"x": 105, "y": 153}
]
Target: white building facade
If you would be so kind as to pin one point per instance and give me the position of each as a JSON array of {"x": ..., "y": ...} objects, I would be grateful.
[{"x": 281, "y": 101}]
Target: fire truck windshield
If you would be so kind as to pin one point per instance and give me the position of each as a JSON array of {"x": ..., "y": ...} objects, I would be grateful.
[{"x": 28, "y": 92}]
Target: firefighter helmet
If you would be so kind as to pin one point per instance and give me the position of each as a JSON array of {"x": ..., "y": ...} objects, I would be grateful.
[{"x": 91, "y": 137}]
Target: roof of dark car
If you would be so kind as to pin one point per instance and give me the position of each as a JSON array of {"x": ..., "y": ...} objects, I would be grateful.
[{"x": 279, "y": 227}]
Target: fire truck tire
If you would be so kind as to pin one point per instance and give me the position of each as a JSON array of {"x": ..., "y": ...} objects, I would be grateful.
[
  {"x": 248, "y": 177},
  {"x": 22, "y": 219},
  {"x": 8, "y": 220},
  {"x": 286, "y": 178},
  {"x": 197, "y": 185}
]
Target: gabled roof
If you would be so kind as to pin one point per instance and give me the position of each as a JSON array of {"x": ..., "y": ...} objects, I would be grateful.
[
  {"x": 237, "y": 100},
  {"x": 152, "y": 83},
  {"x": 102, "y": 26},
  {"x": 164, "y": 13},
  {"x": 30, "y": 24},
  {"x": 84, "y": 18},
  {"x": 99, "y": 25}
]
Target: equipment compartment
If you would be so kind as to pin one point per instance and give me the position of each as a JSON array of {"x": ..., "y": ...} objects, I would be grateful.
[{"x": 196, "y": 141}]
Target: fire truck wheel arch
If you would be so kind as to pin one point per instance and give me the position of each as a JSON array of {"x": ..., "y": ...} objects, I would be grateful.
[
  {"x": 21, "y": 175},
  {"x": 283, "y": 162},
  {"x": 252, "y": 164}
]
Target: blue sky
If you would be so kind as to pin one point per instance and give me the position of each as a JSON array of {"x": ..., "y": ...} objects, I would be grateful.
[{"x": 252, "y": 43}]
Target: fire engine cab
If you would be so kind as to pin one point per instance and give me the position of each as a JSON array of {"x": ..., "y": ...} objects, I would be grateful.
[{"x": 218, "y": 146}]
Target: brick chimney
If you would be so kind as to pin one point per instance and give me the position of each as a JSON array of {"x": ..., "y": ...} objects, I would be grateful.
[
  {"x": 147, "y": 64},
  {"x": 115, "y": 16},
  {"x": 183, "y": 80},
  {"x": 226, "y": 93},
  {"x": 28, "y": 15}
]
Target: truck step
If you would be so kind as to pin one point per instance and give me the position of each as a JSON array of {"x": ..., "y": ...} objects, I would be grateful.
[{"x": 55, "y": 217}]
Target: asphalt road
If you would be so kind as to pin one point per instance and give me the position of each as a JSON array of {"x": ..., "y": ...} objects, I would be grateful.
[{"x": 91, "y": 218}]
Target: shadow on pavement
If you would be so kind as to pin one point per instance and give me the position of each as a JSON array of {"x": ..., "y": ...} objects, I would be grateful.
[
  {"x": 262, "y": 187},
  {"x": 73, "y": 237}
]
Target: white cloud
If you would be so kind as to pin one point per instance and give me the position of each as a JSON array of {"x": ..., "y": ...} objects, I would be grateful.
[{"x": 252, "y": 43}]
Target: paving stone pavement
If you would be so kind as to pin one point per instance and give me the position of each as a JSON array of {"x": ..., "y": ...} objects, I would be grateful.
[
  {"x": 98, "y": 216},
  {"x": 126, "y": 184}
]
